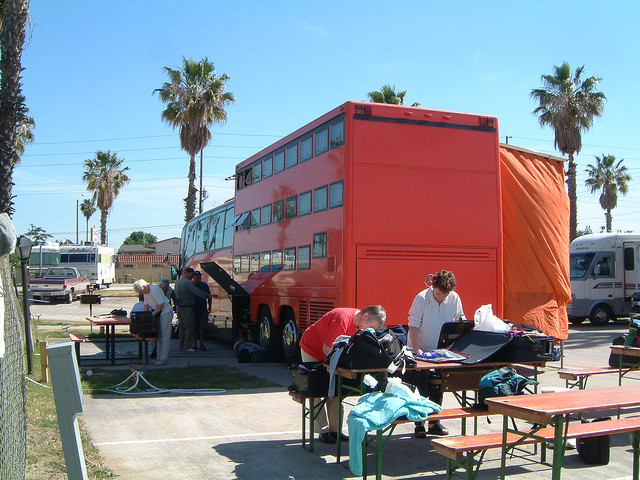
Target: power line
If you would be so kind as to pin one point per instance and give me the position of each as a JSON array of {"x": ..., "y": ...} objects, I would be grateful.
[{"x": 153, "y": 136}]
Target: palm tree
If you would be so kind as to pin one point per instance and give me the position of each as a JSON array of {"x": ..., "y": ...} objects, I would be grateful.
[
  {"x": 196, "y": 99},
  {"x": 388, "y": 94},
  {"x": 105, "y": 178},
  {"x": 611, "y": 179},
  {"x": 88, "y": 208},
  {"x": 569, "y": 104},
  {"x": 13, "y": 20},
  {"x": 38, "y": 234}
]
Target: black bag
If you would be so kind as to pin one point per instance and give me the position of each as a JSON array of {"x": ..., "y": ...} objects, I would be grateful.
[
  {"x": 368, "y": 349},
  {"x": 595, "y": 450},
  {"x": 118, "y": 311},
  {"x": 529, "y": 348},
  {"x": 144, "y": 324},
  {"x": 309, "y": 379},
  {"x": 627, "y": 360}
]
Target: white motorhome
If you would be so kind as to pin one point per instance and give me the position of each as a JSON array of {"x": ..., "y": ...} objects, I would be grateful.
[
  {"x": 95, "y": 262},
  {"x": 605, "y": 271}
]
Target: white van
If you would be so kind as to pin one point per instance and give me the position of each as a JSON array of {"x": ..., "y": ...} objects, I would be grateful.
[
  {"x": 95, "y": 262},
  {"x": 605, "y": 271}
]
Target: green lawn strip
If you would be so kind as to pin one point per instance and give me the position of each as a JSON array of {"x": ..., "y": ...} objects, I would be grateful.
[{"x": 194, "y": 377}]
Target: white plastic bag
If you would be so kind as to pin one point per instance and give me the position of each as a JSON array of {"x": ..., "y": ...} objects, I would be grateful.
[{"x": 486, "y": 321}]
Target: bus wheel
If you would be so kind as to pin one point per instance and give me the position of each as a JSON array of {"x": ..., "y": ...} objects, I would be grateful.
[
  {"x": 290, "y": 339},
  {"x": 268, "y": 337},
  {"x": 600, "y": 315}
]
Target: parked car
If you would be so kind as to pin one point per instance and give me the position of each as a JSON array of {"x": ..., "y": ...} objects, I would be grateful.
[{"x": 59, "y": 283}]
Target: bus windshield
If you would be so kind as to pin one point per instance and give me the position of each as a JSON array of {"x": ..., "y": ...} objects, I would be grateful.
[{"x": 579, "y": 264}]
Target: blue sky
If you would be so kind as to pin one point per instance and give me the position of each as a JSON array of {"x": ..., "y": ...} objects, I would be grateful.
[{"x": 91, "y": 68}]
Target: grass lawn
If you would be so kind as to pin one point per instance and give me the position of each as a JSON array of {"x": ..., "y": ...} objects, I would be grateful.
[{"x": 45, "y": 458}]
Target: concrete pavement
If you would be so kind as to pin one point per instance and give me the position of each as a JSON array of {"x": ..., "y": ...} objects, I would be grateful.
[{"x": 256, "y": 434}]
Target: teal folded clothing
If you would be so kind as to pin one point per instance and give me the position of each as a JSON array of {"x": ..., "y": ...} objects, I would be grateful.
[{"x": 377, "y": 410}]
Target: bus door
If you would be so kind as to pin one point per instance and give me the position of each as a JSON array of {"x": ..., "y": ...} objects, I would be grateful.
[
  {"x": 604, "y": 278},
  {"x": 631, "y": 270}
]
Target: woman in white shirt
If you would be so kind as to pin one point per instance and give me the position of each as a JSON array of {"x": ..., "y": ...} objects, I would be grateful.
[{"x": 431, "y": 308}]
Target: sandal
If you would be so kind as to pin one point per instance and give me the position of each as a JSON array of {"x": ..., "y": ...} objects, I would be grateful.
[
  {"x": 438, "y": 429},
  {"x": 420, "y": 431}
]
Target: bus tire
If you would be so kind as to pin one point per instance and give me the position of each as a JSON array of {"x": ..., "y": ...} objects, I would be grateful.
[
  {"x": 601, "y": 314},
  {"x": 269, "y": 337},
  {"x": 290, "y": 338}
]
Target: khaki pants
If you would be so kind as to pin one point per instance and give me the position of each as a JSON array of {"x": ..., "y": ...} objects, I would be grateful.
[{"x": 327, "y": 417}]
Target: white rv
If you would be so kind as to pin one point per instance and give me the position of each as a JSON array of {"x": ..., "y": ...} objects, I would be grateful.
[
  {"x": 95, "y": 262},
  {"x": 605, "y": 271}
]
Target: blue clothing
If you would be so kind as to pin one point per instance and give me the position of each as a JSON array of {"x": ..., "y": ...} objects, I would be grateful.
[
  {"x": 200, "y": 304},
  {"x": 377, "y": 410}
]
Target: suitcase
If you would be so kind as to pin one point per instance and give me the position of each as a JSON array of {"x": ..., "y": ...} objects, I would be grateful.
[
  {"x": 309, "y": 379},
  {"x": 529, "y": 348},
  {"x": 594, "y": 450},
  {"x": 481, "y": 346},
  {"x": 144, "y": 324}
]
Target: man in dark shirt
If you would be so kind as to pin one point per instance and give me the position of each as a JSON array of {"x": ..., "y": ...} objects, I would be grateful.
[
  {"x": 187, "y": 292},
  {"x": 202, "y": 309}
]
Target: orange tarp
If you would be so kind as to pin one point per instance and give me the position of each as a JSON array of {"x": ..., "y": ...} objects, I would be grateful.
[{"x": 535, "y": 214}]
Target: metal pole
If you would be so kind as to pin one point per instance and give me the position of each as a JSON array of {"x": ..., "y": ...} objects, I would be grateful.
[
  {"x": 77, "y": 208},
  {"x": 27, "y": 316},
  {"x": 200, "y": 203}
]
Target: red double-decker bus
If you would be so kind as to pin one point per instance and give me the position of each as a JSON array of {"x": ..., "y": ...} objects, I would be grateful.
[{"x": 358, "y": 207}]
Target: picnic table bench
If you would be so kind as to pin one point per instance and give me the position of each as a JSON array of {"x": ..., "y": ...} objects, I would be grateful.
[{"x": 461, "y": 451}]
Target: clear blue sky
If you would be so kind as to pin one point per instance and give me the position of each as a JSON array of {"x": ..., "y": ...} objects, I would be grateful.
[{"x": 91, "y": 67}]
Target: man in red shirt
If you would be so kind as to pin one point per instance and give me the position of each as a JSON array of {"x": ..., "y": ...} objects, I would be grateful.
[{"x": 316, "y": 343}]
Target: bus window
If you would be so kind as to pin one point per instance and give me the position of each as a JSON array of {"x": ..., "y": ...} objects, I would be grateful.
[
  {"x": 292, "y": 155},
  {"x": 255, "y": 217},
  {"x": 320, "y": 199},
  {"x": 278, "y": 211},
  {"x": 306, "y": 151},
  {"x": 292, "y": 207},
  {"x": 629, "y": 263},
  {"x": 244, "y": 263},
  {"x": 290, "y": 258},
  {"x": 605, "y": 266},
  {"x": 254, "y": 265},
  {"x": 320, "y": 245},
  {"x": 337, "y": 134},
  {"x": 257, "y": 172},
  {"x": 227, "y": 239},
  {"x": 265, "y": 262},
  {"x": 335, "y": 194},
  {"x": 267, "y": 167},
  {"x": 276, "y": 260},
  {"x": 322, "y": 141},
  {"x": 304, "y": 206},
  {"x": 304, "y": 261},
  {"x": 278, "y": 165},
  {"x": 236, "y": 264},
  {"x": 266, "y": 214}
]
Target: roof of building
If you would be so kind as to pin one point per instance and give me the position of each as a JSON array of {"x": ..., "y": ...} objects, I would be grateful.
[{"x": 147, "y": 258}]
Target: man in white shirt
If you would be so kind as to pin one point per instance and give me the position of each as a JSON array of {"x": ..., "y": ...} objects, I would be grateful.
[{"x": 432, "y": 308}]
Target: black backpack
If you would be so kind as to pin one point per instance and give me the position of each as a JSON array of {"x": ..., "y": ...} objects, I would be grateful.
[{"x": 371, "y": 349}]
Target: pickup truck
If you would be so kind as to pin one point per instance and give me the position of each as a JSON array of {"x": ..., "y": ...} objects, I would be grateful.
[{"x": 59, "y": 283}]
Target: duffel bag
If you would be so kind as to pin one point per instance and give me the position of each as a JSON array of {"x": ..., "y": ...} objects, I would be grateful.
[
  {"x": 529, "y": 348},
  {"x": 309, "y": 379}
]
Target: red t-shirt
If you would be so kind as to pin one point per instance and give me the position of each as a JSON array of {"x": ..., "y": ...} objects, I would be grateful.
[{"x": 334, "y": 323}]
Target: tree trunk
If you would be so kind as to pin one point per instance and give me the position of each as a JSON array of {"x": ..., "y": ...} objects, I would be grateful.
[
  {"x": 12, "y": 35},
  {"x": 190, "y": 201},
  {"x": 103, "y": 226},
  {"x": 573, "y": 198},
  {"x": 607, "y": 216}
]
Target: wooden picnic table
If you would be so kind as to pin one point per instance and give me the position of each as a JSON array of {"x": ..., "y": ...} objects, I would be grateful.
[
  {"x": 555, "y": 408},
  {"x": 110, "y": 323}
]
